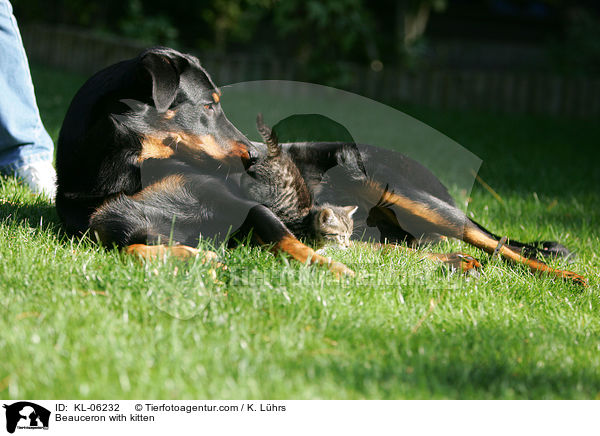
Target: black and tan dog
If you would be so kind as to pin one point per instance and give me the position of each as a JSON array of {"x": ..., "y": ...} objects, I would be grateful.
[{"x": 147, "y": 161}]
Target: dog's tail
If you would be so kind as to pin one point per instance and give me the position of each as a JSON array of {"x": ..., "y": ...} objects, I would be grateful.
[{"x": 268, "y": 136}]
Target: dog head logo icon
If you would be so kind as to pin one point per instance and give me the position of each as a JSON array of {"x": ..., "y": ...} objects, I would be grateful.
[{"x": 26, "y": 415}]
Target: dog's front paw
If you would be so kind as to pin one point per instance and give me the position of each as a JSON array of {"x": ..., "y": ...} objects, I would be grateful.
[
  {"x": 463, "y": 262},
  {"x": 340, "y": 270}
]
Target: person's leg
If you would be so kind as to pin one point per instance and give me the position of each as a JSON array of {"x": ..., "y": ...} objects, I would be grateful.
[{"x": 26, "y": 149}]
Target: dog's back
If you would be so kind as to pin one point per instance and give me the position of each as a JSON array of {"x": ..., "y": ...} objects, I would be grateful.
[{"x": 94, "y": 158}]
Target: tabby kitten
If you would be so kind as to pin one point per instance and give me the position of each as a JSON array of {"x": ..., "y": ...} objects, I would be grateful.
[
  {"x": 331, "y": 225},
  {"x": 276, "y": 182}
]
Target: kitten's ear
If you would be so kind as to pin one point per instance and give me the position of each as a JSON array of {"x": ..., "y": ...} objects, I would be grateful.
[
  {"x": 350, "y": 210},
  {"x": 326, "y": 216}
]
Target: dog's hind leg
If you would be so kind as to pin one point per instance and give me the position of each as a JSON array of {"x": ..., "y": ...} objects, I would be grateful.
[
  {"x": 475, "y": 236},
  {"x": 421, "y": 219},
  {"x": 122, "y": 222},
  {"x": 532, "y": 249},
  {"x": 429, "y": 214}
]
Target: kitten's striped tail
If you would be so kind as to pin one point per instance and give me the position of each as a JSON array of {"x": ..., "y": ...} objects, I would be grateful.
[{"x": 268, "y": 136}]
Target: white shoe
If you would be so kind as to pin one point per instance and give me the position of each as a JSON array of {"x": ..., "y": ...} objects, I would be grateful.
[{"x": 40, "y": 177}]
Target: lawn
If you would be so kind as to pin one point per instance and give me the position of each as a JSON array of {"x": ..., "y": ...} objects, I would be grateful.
[{"x": 81, "y": 322}]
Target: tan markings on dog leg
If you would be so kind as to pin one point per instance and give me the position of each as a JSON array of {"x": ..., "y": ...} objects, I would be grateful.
[
  {"x": 183, "y": 252},
  {"x": 154, "y": 148},
  {"x": 151, "y": 252},
  {"x": 372, "y": 190},
  {"x": 418, "y": 209},
  {"x": 169, "y": 114},
  {"x": 304, "y": 254},
  {"x": 479, "y": 239}
]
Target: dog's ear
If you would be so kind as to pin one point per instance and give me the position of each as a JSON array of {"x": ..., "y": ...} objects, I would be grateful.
[{"x": 165, "y": 79}]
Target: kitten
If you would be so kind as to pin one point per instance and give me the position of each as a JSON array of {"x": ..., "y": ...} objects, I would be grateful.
[
  {"x": 276, "y": 182},
  {"x": 331, "y": 225}
]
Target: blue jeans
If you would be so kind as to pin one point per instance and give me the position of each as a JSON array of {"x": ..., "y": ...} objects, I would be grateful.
[{"x": 23, "y": 138}]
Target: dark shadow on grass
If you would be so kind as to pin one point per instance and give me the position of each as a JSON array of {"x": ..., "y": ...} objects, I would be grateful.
[
  {"x": 32, "y": 215},
  {"x": 475, "y": 363}
]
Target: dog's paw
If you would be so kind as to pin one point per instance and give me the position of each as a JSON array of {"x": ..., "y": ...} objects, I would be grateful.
[
  {"x": 212, "y": 258},
  {"x": 575, "y": 278},
  {"x": 340, "y": 270},
  {"x": 540, "y": 250},
  {"x": 463, "y": 262}
]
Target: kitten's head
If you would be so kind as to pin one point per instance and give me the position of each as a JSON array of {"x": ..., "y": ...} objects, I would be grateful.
[{"x": 333, "y": 225}]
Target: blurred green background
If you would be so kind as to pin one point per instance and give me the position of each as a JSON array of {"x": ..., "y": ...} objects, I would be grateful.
[
  {"x": 315, "y": 33},
  {"x": 531, "y": 56}
]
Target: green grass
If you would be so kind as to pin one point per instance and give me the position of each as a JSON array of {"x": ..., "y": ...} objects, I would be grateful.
[{"x": 81, "y": 322}]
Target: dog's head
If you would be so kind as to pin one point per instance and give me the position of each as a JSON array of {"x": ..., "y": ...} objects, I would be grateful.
[{"x": 181, "y": 114}]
